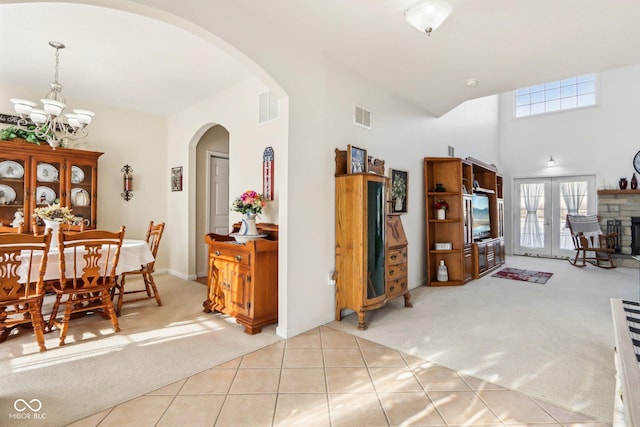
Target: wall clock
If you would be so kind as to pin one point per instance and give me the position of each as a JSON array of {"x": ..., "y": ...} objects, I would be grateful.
[
  {"x": 267, "y": 173},
  {"x": 636, "y": 162}
]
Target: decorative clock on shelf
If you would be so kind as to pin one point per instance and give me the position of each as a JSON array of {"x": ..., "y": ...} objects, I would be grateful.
[{"x": 636, "y": 162}]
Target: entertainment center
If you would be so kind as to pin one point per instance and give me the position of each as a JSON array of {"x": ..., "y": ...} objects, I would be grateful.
[{"x": 472, "y": 230}]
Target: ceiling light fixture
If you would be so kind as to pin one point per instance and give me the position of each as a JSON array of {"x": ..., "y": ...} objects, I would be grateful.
[
  {"x": 47, "y": 123},
  {"x": 551, "y": 163},
  {"x": 426, "y": 16}
]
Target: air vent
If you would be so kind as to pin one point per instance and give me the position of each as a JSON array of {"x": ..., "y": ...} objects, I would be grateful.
[
  {"x": 269, "y": 108},
  {"x": 362, "y": 117}
]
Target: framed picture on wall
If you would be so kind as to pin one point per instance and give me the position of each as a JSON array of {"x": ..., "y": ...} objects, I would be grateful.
[
  {"x": 356, "y": 159},
  {"x": 176, "y": 178},
  {"x": 399, "y": 191}
]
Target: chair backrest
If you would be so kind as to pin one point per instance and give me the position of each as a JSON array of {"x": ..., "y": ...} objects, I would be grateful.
[
  {"x": 583, "y": 224},
  {"x": 154, "y": 234},
  {"x": 23, "y": 262},
  {"x": 90, "y": 258},
  {"x": 9, "y": 229}
]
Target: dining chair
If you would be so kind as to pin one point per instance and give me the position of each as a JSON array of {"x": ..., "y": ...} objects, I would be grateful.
[
  {"x": 23, "y": 262},
  {"x": 154, "y": 234},
  {"x": 88, "y": 262},
  {"x": 9, "y": 229}
]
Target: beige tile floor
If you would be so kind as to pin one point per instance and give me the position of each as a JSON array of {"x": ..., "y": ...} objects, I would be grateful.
[{"x": 329, "y": 378}]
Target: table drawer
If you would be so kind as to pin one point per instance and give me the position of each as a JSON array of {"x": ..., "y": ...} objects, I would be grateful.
[
  {"x": 227, "y": 254},
  {"x": 396, "y": 256}
]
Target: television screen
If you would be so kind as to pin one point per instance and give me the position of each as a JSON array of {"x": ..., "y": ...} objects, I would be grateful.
[{"x": 481, "y": 224}]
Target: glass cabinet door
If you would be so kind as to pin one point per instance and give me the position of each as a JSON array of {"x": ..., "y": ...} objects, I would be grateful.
[
  {"x": 13, "y": 190},
  {"x": 48, "y": 187},
  {"x": 375, "y": 239},
  {"x": 81, "y": 193}
]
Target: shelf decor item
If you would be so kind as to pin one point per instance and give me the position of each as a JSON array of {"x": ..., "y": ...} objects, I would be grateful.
[
  {"x": 441, "y": 209},
  {"x": 443, "y": 274},
  {"x": 623, "y": 183}
]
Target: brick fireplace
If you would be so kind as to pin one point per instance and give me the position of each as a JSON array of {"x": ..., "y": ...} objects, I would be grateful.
[{"x": 622, "y": 208}]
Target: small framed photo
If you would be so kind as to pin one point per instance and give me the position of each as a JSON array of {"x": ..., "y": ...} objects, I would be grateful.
[
  {"x": 176, "y": 178},
  {"x": 356, "y": 159},
  {"x": 399, "y": 191}
]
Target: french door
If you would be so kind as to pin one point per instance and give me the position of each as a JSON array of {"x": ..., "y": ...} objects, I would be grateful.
[{"x": 541, "y": 206}]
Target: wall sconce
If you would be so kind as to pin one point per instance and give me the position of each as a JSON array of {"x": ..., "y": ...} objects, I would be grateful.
[
  {"x": 128, "y": 182},
  {"x": 428, "y": 15},
  {"x": 551, "y": 163}
]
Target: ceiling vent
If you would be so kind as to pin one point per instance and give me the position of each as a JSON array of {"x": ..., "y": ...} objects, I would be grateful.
[
  {"x": 362, "y": 117},
  {"x": 269, "y": 107}
]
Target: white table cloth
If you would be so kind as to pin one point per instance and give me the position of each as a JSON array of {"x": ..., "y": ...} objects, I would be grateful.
[{"x": 133, "y": 254}]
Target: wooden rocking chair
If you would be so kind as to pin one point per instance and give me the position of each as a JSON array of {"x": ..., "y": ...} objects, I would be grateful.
[{"x": 590, "y": 243}]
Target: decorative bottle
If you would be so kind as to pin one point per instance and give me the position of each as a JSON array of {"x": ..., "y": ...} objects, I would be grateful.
[
  {"x": 634, "y": 182},
  {"x": 622, "y": 183},
  {"x": 443, "y": 274}
]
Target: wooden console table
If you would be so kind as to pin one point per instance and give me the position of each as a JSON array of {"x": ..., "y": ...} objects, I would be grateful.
[{"x": 243, "y": 278}]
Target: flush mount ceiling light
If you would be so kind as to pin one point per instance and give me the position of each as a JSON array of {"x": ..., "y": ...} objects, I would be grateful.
[
  {"x": 426, "y": 16},
  {"x": 47, "y": 122}
]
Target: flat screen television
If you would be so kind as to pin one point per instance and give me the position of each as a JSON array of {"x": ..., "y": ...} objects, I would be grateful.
[{"x": 481, "y": 224}]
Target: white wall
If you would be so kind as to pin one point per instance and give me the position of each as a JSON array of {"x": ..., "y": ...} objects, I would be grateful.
[{"x": 599, "y": 141}]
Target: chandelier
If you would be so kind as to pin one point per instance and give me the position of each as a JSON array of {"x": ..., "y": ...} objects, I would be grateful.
[{"x": 47, "y": 123}]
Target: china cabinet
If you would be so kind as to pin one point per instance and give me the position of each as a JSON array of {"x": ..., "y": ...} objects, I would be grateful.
[
  {"x": 243, "y": 278},
  {"x": 35, "y": 175}
]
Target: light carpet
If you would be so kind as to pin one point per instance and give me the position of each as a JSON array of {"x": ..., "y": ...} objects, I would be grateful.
[
  {"x": 553, "y": 342},
  {"x": 98, "y": 368}
]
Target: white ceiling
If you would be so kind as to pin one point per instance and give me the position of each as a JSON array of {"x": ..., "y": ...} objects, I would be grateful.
[{"x": 148, "y": 66}]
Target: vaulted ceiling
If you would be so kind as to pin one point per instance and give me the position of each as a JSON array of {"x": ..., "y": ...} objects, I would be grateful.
[{"x": 145, "y": 65}]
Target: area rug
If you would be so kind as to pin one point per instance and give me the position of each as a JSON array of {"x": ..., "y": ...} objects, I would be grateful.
[{"x": 539, "y": 277}]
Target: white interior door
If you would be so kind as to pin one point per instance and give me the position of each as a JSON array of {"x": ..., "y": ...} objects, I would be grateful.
[
  {"x": 218, "y": 195},
  {"x": 541, "y": 206}
]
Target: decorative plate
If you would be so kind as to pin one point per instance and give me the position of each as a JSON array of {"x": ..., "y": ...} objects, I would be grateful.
[
  {"x": 74, "y": 199},
  {"x": 77, "y": 175},
  {"x": 8, "y": 193},
  {"x": 45, "y": 195},
  {"x": 11, "y": 169},
  {"x": 47, "y": 173}
]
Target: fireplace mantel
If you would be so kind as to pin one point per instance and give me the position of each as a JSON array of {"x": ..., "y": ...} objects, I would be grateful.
[{"x": 614, "y": 192}]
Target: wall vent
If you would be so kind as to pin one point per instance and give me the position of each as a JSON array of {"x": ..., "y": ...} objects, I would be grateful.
[
  {"x": 362, "y": 117},
  {"x": 268, "y": 106}
]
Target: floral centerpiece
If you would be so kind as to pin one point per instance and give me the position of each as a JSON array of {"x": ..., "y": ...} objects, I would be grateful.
[
  {"x": 56, "y": 213},
  {"x": 441, "y": 204},
  {"x": 250, "y": 202}
]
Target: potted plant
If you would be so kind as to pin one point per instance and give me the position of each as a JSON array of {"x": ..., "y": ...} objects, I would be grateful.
[
  {"x": 441, "y": 208},
  {"x": 29, "y": 134}
]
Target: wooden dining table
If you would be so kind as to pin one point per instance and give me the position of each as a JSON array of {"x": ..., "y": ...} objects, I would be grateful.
[{"x": 133, "y": 254}]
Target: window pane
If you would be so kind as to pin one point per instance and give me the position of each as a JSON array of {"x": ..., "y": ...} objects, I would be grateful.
[
  {"x": 568, "y": 91},
  {"x": 560, "y": 95},
  {"x": 552, "y": 94},
  {"x": 586, "y": 100},
  {"x": 568, "y": 103}
]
